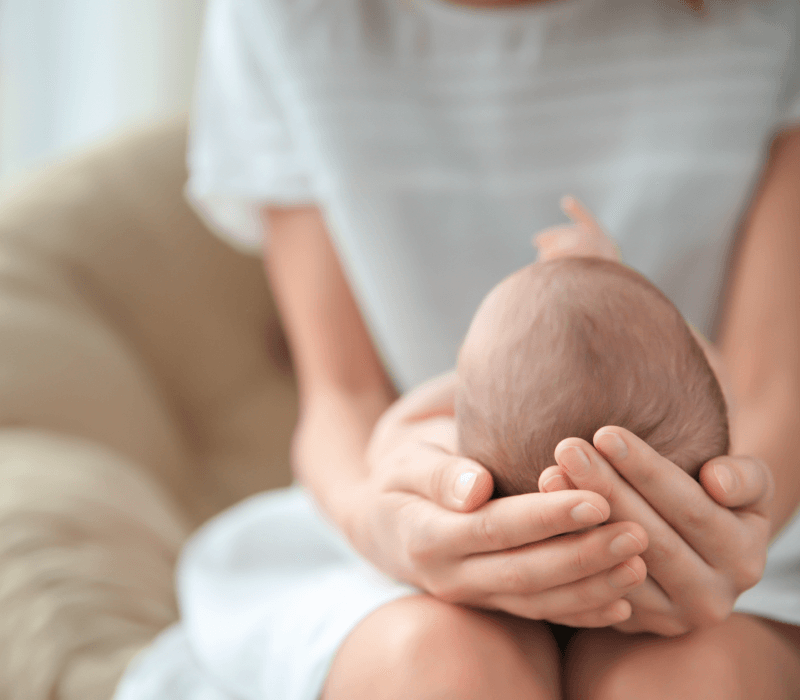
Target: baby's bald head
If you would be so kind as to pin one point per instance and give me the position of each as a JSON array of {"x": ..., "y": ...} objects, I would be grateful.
[{"x": 561, "y": 348}]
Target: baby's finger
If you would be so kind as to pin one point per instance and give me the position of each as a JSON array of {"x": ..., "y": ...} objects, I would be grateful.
[
  {"x": 559, "y": 241},
  {"x": 579, "y": 214},
  {"x": 601, "y": 246},
  {"x": 738, "y": 482},
  {"x": 574, "y": 241},
  {"x": 427, "y": 470}
]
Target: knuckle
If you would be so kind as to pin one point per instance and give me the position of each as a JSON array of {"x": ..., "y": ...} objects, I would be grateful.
[
  {"x": 420, "y": 547},
  {"x": 511, "y": 578},
  {"x": 750, "y": 571},
  {"x": 693, "y": 520},
  {"x": 545, "y": 520},
  {"x": 395, "y": 463},
  {"x": 712, "y": 611},
  {"x": 588, "y": 597},
  {"x": 579, "y": 562},
  {"x": 657, "y": 554},
  {"x": 488, "y": 531}
]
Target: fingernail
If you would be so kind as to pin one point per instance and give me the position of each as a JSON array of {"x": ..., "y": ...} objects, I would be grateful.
[
  {"x": 575, "y": 460},
  {"x": 726, "y": 478},
  {"x": 463, "y": 486},
  {"x": 555, "y": 483},
  {"x": 625, "y": 545},
  {"x": 622, "y": 576},
  {"x": 612, "y": 446},
  {"x": 586, "y": 514}
]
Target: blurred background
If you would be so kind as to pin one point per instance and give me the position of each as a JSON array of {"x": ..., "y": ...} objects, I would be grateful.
[{"x": 75, "y": 71}]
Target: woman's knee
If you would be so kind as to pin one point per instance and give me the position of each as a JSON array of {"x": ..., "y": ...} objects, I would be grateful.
[
  {"x": 423, "y": 648},
  {"x": 706, "y": 674},
  {"x": 740, "y": 658}
]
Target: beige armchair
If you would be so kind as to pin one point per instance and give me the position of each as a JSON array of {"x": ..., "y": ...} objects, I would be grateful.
[{"x": 144, "y": 386}]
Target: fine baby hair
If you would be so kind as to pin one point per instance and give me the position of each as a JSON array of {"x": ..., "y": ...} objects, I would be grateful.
[{"x": 566, "y": 346}]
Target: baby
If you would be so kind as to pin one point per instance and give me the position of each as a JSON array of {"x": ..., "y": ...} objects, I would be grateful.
[{"x": 567, "y": 345}]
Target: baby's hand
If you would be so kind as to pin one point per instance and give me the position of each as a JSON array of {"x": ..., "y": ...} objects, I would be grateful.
[{"x": 583, "y": 238}]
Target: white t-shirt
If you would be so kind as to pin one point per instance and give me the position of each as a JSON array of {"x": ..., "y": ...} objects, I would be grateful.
[{"x": 438, "y": 139}]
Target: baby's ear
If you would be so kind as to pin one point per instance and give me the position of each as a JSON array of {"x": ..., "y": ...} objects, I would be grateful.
[{"x": 584, "y": 238}]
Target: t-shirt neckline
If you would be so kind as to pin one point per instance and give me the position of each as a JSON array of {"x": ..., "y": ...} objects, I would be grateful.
[{"x": 521, "y": 12}]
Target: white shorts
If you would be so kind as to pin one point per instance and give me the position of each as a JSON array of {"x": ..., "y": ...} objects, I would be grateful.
[{"x": 268, "y": 591}]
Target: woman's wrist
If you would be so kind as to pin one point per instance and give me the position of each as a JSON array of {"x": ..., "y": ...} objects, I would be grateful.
[{"x": 329, "y": 454}]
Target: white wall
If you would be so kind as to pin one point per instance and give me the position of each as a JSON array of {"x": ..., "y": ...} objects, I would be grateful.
[{"x": 73, "y": 71}]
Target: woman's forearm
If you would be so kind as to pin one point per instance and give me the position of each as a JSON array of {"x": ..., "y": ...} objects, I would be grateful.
[
  {"x": 760, "y": 335},
  {"x": 342, "y": 384},
  {"x": 330, "y": 444}
]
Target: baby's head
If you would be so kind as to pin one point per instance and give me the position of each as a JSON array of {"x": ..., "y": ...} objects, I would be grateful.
[{"x": 564, "y": 347}]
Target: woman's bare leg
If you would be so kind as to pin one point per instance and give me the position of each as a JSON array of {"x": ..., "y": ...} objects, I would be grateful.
[
  {"x": 745, "y": 657},
  {"x": 422, "y": 648}
]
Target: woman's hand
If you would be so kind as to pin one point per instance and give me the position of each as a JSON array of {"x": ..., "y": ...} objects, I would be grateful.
[
  {"x": 506, "y": 554},
  {"x": 707, "y": 541}
]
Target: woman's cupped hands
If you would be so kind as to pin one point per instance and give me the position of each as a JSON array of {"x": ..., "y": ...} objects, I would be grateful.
[
  {"x": 617, "y": 535},
  {"x": 707, "y": 539}
]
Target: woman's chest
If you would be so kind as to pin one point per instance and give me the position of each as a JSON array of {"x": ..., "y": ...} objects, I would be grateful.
[{"x": 403, "y": 96}]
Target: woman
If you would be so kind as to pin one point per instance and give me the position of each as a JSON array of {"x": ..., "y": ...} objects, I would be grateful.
[{"x": 396, "y": 157}]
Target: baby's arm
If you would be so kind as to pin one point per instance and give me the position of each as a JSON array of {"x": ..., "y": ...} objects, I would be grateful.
[{"x": 583, "y": 238}]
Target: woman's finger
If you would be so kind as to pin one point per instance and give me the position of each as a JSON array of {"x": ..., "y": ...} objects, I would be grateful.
[
  {"x": 670, "y": 560},
  {"x": 652, "y": 598},
  {"x": 738, "y": 482},
  {"x": 587, "y": 595},
  {"x": 428, "y": 470},
  {"x": 516, "y": 521},
  {"x": 554, "y": 479},
  {"x": 680, "y": 501},
  {"x": 612, "y": 614},
  {"x": 553, "y": 562}
]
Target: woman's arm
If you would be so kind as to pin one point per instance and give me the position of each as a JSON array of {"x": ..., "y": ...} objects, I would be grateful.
[
  {"x": 760, "y": 333},
  {"x": 703, "y": 553},
  {"x": 343, "y": 388},
  {"x": 391, "y": 502}
]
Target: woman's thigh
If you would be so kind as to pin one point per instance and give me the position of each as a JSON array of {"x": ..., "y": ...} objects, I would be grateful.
[
  {"x": 745, "y": 657},
  {"x": 419, "y": 647}
]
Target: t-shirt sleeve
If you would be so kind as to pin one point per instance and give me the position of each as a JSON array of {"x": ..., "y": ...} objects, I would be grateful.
[
  {"x": 790, "y": 113},
  {"x": 241, "y": 152}
]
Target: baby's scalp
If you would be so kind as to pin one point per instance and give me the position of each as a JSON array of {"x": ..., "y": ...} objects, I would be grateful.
[{"x": 560, "y": 349}]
